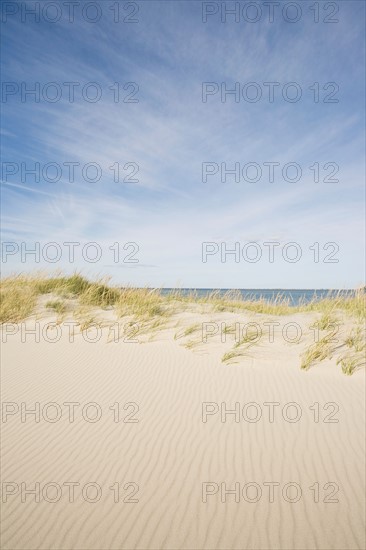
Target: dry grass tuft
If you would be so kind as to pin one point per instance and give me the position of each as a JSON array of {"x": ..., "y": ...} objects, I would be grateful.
[
  {"x": 349, "y": 364},
  {"x": 57, "y": 306},
  {"x": 357, "y": 339},
  {"x": 17, "y": 299},
  {"x": 316, "y": 353},
  {"x": 233, "y": 354}
]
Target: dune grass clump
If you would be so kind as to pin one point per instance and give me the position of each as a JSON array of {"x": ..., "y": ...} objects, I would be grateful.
[
  {"x": 141, "y": 303},
  {"x": 354, "y": 305},
  {"x": 316, "y": 353},
  {"x": 187, "y": 331},
  {"x": 251, "y": 337},
  {"x": 233, "y": 354},
  {"x": 327, "y": 320},
  {"x": 57, "y": 306},
  {"x": 99, "y": 295},
  {"x": 75, "y": 285},
  {"x": 229, "y": 329},
  {"x": 88, "y": 323},
  {"x": 18, "y": 299},
  {"x": 19, "y": 296},
  {"x": 191, "y": 329},
  {"x": 348, "y": 365},
  {"x": 356, "y": 340}
]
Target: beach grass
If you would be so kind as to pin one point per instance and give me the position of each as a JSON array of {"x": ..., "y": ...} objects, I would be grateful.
[
  {"x": 233, "y": 301},
  {"x": 327, "y": 320},
  {"x": 18, "y": 298},
  {"x": 348, "y": 364},
  {"x": 233, "y": 354},
  {"x": 251, "y": 337},
  {"x": 316, "y": 353},
  {"x": 56, "y": 305},
  {"x": 19, "y": 295},
  {"x": 357, "y": 339},
  {"x": 24, "y": 295}
]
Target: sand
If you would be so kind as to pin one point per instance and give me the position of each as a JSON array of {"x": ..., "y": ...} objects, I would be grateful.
[{"x": 172, "y": 464}]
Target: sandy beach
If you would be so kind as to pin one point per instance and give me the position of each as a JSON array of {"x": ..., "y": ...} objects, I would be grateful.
[
  {"x": 148, "y": 439},
  {"x": 182, "y": 294}
]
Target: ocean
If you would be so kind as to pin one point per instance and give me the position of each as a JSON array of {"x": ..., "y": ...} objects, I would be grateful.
[{"x": 294, "y": 296}]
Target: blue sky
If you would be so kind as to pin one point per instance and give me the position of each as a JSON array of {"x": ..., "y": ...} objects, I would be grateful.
[{"x": 170, "y": 132}]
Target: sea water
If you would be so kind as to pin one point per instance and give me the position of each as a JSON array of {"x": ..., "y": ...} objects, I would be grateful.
[{"x": 294, "y": 296}]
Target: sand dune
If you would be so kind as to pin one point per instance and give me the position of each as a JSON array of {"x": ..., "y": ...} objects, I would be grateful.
[{"x": 162, "y": 454}]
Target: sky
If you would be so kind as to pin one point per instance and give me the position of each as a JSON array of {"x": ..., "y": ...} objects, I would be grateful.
[{"x": 132, "y": 141}]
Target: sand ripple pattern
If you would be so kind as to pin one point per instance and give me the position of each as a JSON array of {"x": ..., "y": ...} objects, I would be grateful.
[{"x": 170, "y": 452}]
